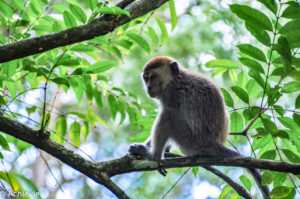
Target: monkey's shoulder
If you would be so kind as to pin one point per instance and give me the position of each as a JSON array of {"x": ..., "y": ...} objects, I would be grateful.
[{"x": 192, "y": 82}]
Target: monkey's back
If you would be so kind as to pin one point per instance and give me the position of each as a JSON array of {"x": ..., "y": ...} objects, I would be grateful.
[{"x": 200, "y": 103}]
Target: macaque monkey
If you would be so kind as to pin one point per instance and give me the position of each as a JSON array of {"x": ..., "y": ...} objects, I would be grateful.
[{"x": 192, "y": 114}]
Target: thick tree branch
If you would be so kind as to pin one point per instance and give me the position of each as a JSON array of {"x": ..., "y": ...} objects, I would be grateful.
[
  {"x": 101, "y": 171},
  {"x": 97, "y": 27}
]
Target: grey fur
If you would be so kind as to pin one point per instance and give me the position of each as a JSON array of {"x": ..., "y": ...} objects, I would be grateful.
[{"x": 193, "y": 114}]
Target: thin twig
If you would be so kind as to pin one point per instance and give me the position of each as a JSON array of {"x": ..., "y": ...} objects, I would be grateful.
[
  {"x": 178, "y": 180},
  {"x": 244, "y": 132},
  {"x": 57, "y": 182}
]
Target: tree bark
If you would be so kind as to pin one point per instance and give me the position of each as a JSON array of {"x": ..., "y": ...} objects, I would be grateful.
[
  {"x": 102, "y": 171},
  {"x": 99, "y": 26}
]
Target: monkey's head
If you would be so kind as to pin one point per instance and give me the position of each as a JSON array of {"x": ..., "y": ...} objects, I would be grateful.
[{"x": 158, "y": 73}]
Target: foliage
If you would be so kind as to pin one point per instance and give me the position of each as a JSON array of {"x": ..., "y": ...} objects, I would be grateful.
[{"x": 266, "y": 76}]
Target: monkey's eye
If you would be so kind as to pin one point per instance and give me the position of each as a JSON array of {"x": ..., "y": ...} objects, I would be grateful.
[
  {"x": 145, "y": 77},
  {"x": 153, "y": 76}
]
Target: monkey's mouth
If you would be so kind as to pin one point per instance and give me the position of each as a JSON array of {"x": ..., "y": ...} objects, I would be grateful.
[{"x": 153, "y": 93}]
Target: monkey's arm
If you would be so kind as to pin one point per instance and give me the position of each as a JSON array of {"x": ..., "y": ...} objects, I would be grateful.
[{"x": 153, "y": 149}]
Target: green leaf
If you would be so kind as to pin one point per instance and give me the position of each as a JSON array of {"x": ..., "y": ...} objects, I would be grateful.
[
  {"x": 285, "y": 52},
  {"x": 100, "y": 40},
  {"x": 278, "y": 71},
  {"x": 92, "y": 4},
  {"x": 242, "y": 79},
  {"x": 85, "y": 130},
  {"x": 252, "y": 51},
  {"x": 36, "y": 6},
  {"x": 18, "y": 4},
  {"x": 140, "y": 137},
  {"x": 83, "y": 48},
  {"x": 280, "y": 192},
  {"x": 228, "y": 99},
  {"x": 89, "y": 93},
  {"x": 98, "y": 98},
  {"x": 75, "y": 133},
  {"x": 61, "y": 129},
  {"x": 252, "y": 15},
  {"x": 270, "y": 4},
  {"x": 270, "y": 155},
  {"x": 2, "y": 39},
  {"x": 61, "y": 80},
  {"x": 289, "y": 123},
  {"x": 31, "y": 109},
  {"x": 236, "y": 122},
  {"x": 291, "y": 156},
  {"x": 11, "y": 86},
  {"x": 279, "y": 110},
  {"x": 293, "y": 38},
  {"x": 112, "y": 105},
  {"x": 121, "y": 109},
  {"x": 241, "y": 93},
  {"x": 101, "y": 67},
  {"x": 297, "y": 102},
  {"x": 78, "y": 13},
  {"x": 6, "y": 10},
  {"x": 195, "y": 171},
  {"x": 270, "y": 126},
  {"x": 140, "y": 41},
  {"x": 2, "y": 101},
  {"x": 292, "y": 11},
  {"x": 252, "y": 88},
  {"x": 295, "y": 75},
  {"x": 133, "y": 118},
  {"x": 256, "y": 76},
  {"x": 59, "y": 8},
  {"x": 124, "y": 43},
  {"x": 152, "y": 34},
  {"x": 221, "y": 63},
  {"x": 69, "y": 20},
  {"x": 246, "y": 182},
  {"x": 163, "y": 29},
  {"x": 273, "y": 95},
  {"x": 173, "y": 14},
  {"x": 9, "y": 68},
  {"x": 232, "y": 76},
  {"x": 291, "y": 87},
  {"x": 219, "y": 71},
  {"x": 290, "y": 26},
  {"x": 260, "y": 34},
  {"x": 4, "y": 143},
  {"x": 114, "y": 10},
  {"x": 266, "y": 178},
  {"x": 252, "y": 64}
]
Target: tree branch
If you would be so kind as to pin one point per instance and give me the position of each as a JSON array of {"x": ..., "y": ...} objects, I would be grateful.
[
  {"x": 100, "y": 26},
  {"x": 102, "y": 171},
  {"x": 238, "y": 188}
]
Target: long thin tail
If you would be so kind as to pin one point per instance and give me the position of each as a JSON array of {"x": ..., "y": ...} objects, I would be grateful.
[
  {"x": 257, "y": 176},
  {"x": 226, "y": 152}
]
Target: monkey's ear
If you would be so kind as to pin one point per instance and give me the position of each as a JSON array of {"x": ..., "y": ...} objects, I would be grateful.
[{"x": 174, "y": 68}]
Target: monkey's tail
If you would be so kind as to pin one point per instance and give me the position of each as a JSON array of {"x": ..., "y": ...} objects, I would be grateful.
[
  {"x": 257, "y": 176},
  {"x": 227, "y": 152}
]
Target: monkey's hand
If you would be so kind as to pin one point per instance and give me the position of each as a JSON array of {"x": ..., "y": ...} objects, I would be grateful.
[{"x": 141, "y": 152}]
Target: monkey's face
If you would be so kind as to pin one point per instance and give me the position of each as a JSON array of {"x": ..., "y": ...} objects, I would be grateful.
[{"x": 153, "y": 83}]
